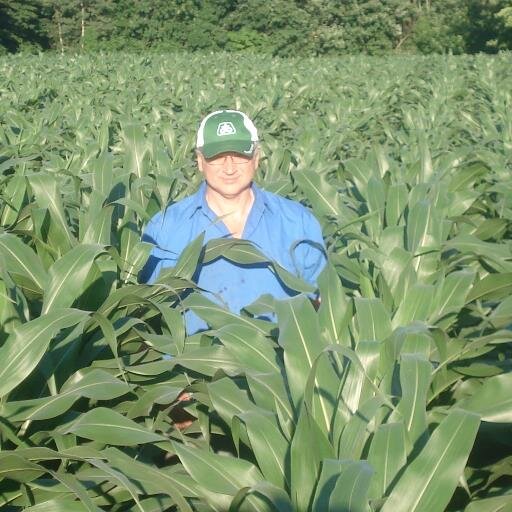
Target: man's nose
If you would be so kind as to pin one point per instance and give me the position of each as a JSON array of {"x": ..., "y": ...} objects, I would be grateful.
[{"x": 229, "y": 166}]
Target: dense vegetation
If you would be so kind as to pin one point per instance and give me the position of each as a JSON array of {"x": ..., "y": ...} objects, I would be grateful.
[
  {"x": 280, "y": 27},
  {"x": 394, "y": 396}
]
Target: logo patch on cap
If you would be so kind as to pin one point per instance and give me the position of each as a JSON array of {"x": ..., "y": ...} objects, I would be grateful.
[{"x": 225, "y": 128}]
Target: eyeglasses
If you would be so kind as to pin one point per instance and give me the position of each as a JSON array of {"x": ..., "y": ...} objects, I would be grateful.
[{"x": 223, "y": 160}]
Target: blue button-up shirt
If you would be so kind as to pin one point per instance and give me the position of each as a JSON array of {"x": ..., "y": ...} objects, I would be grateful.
[{"x": 283, "y": 230}]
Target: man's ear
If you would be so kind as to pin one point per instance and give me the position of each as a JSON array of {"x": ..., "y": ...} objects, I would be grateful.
[
  {"x": 199, "y": 158},
  {"x": 256, "y": 157}
]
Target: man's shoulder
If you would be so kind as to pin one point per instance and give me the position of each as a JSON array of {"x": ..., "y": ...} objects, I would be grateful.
[
  {"x": 177, "y": 210},
  {"x": 288, "y": 207},
  {"x": 171, "y": 221},
  {"x": 183, "y": 206}
]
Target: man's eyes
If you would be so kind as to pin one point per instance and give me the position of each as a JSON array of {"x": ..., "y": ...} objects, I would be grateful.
[{"x": 235, "y": 160}]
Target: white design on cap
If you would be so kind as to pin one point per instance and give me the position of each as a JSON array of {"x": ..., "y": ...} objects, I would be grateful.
[{"x": 225, "y": 128}]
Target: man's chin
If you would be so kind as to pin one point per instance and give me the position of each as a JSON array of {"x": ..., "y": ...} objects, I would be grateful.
[{"x": 230, "y": 190}]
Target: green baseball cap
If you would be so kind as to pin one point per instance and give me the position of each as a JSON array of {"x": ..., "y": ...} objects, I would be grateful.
[{"x": 226, "y": 130}]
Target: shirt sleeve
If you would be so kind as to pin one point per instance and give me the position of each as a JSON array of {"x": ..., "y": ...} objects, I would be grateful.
[
  {"x": 159, "y": 258},
  {"x": 309, "y": 253}
]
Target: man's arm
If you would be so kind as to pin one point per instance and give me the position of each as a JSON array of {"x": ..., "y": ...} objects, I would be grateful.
[
  {"x": 159, "y": 257},
  {"x": 310, "y": 253}
]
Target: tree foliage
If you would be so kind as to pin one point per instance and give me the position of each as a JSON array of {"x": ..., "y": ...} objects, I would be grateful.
[
  {"x": 369, "y": 25},
  {"x": 281, "y": 27},
  {"x": 440, "y": 28},
  {"x": 21, "y": 26},
  {"x": 490, "y": 27}
]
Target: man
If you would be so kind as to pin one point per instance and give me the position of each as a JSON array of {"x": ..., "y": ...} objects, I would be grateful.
[{"x": 229, "y": 204}]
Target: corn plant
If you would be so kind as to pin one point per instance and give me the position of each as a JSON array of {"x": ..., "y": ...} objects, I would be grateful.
[{"x": 393, "y": 395}]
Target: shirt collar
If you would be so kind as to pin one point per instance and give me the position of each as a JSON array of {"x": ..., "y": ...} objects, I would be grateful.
[
  {"x": 261, "y": 197},
  {"x": 199, "y": 199}
]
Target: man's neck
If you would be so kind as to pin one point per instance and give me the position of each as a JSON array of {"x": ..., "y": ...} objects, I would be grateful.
[
  {"x": 233, "y": 211},
  {"x": 226, "y": 205}
]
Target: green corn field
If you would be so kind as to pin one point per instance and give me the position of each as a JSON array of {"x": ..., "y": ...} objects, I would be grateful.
[{"x": 395, "y": 396}]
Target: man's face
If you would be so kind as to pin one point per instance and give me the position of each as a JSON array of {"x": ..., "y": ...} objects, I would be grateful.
[{"x": 228, "y": 174}]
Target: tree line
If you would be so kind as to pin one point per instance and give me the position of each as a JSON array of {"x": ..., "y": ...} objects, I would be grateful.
[{"x": 280, "y": 27}]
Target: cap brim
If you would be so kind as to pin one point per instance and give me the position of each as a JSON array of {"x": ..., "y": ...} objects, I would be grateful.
[{"x": 242, "y": 147}]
